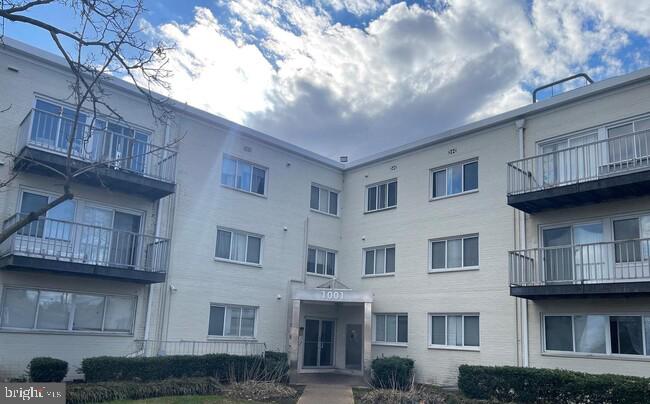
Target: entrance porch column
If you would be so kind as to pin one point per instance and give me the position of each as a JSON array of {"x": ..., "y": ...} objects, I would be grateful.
[
  {"x": 367, "y": 337},
  {"x": 294, "y": 334}
]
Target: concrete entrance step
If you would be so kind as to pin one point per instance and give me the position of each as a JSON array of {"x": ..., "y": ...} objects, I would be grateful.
[
  {"x": 332, "y": 379},
  {"x": 326, "y": 394}
]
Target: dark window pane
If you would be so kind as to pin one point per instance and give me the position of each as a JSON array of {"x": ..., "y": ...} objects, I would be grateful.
[
  {"x": 559, "y": 333},
  {"x": 311, "y": 260},
  {"x": 392, "y": 193},
  {"x": 439, "y": 183},
  {"x": 313, "y": 203},
  {"x": 381, "y": 199},
  {"x": 370, "y": 262},
  {"x": 470, "y": 252},
  {"x": 259, "y": 177},
  {"x": 30, "y": 203},
  {"x": 223, "y": 244},
  {"x": 372, "y": 198},
  {"x": 390, "y": 260},
  {"x": 627, "y": 335},
  {"x": 402, "y": 329},
  {"x": 438, "y": 331},
  {"x": 331, "y": 261},
  {"x": 254, "y": 249},
  {"x": 472, "y": 331},
  {"x": 215, "y": 325},
  {"x": 438, "y": 251},
  {"x": 320, "y": 261},
  {"x": 19, "y": 308},
  {"x": 380, "y": 328},
  {"x": 627, "y": 251},
  {"x": 334, "y": 203},
  {"x": 470, "y": 176}
]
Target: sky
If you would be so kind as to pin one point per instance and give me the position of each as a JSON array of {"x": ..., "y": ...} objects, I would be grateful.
[{"x": 355, "y": 77}]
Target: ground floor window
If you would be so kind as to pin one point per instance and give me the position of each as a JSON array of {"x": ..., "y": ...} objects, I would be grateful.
[
  {"x": 391, "y": 328},
  {"x": 232, "y": 321},
  {"x": 66, "y": 311},
  {"x": 597, "y": 334},
  {"x": 454, "y": 330}
]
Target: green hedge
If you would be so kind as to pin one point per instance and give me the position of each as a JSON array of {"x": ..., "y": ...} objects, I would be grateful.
[
  {"x": 530, "y": 385},
  {"x": 77, "y": 393},
  {"x": 226, "y": 368},
  {"x": 47, "y": 370},
  {"x": 392, "y": 373}
]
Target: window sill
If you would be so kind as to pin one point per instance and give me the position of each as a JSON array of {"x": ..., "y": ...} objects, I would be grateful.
[
  {"x": 442, "y": 271},
  {"x": 455, "y": 348},
  {"x": 321, "y": 275},
  {"x": 62, "y": 332},
  {"x": 230, "y": 338},
  {"x": 438, "y": 198},
  {"x": 244, "y": 191},
  {"x": 391, "y": 344},
  {"x": 617, "y": 357},
  {"x": 380, "y": 210},
  {"x": 246, "y": 264},
  {"x": 379, "y": 275},
  {"x": 324, "y": 213}
]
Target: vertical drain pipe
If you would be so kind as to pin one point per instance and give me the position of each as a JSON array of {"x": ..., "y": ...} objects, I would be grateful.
[{"x": 521, "y": 127}]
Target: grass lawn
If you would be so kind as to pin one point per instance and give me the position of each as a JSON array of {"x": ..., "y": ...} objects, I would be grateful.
[{"x": 187, "y": 399}]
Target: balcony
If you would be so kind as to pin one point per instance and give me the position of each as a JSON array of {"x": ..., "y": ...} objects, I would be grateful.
[
  {"x": 593, "y": 172},
  {"x": 65, "y": 247},
  {"x": 605, "y": 269},
  {"x": 123, "y": 161}
]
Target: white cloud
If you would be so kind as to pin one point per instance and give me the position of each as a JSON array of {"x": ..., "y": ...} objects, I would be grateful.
[{"x": 411, "y": 72}]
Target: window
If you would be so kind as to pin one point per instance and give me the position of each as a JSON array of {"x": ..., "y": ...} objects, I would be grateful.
[
  {"x": 66, "y": 311},
  {"x": 627, "y": 235},
  {"x": 324, "y": 200},
  {"x": 596, "y": 333},
  {"x": 320, "y": 261},
  {"x": 454, "y": 330},
  {"x": 232, "y": 321},
  {"x": 243, "y": 175},
  {"x": 452, "y": 253},
  {"x": 391, "y": 328},
  {"x": 382, "y": 196},
  {"x": 455, "y": 179},
  {"x": 238, "y": 246},
  {"x": 379, "y": 261},
  {"x": 56, "y": 223}
]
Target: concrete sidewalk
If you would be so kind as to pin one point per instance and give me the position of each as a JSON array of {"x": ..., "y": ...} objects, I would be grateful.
[{"x": 326, "y": 394}]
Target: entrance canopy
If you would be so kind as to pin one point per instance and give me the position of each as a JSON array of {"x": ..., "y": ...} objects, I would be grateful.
[{"x": 333, "y": 291}]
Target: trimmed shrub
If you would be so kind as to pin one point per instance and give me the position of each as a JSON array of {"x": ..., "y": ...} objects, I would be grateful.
[
  {"x": 225, "y": 368},
  {"x": 47, "y": 370},
  {"x": 276, "y": 366},
  {"x": 531, "y": 385},
  {"x": 260, "y": 391},
  {"x": 417, "y": 395},
  {"x": 77, "y": 393},
  {"x": 392, "y": 372}
]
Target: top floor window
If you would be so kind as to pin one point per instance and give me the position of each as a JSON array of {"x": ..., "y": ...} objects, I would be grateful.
[
  {"x": 381, "y": 196},
  {"x": 455, "y": 179},
  {"x": 324, "y": 200},
  {"x": 242, "y": 175}
]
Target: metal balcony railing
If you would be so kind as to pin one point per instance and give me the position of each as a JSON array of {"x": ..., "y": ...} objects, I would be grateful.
[
  {"x": 98, "y": 144},
  {"x": 62, "y": 240},
  {"x": 591, "y": 161},
  {"x": 150, "y": 347},
  {"x": 604, "y": 262}
]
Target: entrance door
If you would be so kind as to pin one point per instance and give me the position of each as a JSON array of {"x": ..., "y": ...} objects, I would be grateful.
[
  {"x": 124, "y": 245},
  {"x": 319, "y": 343},
  {"x": 353, "y": 344}
]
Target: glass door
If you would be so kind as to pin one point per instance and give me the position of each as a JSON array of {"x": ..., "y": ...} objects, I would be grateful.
[
  {"x": 590, "y": 254},
  {"x": 319, "y": 343},
  {"x": 558, "y": 254},
  {"x": 124, "y": 245},
  {"x": 95, "y": 238}
]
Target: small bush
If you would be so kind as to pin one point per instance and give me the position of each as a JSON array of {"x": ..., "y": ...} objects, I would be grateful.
[
  {"x": 226, "y": 368},
  {"x": 260, "y": 391},
  {"x": 47, "y": 370},
  {"x": 78, "y": 393},
  {"x": 530, "y": 385},
  {"x": 393, "y": 373}
]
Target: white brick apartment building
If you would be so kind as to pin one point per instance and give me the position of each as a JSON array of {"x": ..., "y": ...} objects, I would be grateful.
[{"x": 521, "y": 239}]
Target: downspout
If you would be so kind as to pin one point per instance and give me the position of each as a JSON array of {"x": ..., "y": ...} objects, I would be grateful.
[{"x": 521, "y": 128}]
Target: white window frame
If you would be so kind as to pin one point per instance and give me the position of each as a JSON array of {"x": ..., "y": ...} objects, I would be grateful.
[
  {"x": 462, "y": 253},
  {"x": 70, "y": 329},
  {"x": 396, "y": 343},
  {"x": 453, "y": 347},
  {"x": 608, "y": 343},
  {"x": 446, "y": 169},
  {"x": 247, "y": 234},
  {"x": 227, "y": 307},
  {"x": 253, "y": 165},
  {"x": 329, "y": 191},
  {"x": 325, "y": 250},
  {"x": 376, "y": 185},
  {"x": 374, "y": 265}
]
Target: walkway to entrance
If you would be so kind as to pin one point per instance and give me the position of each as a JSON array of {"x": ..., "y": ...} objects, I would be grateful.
[{"x": 327, "y": 388}]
